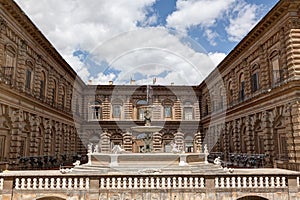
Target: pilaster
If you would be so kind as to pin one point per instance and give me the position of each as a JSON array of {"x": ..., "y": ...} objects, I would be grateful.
[
  {"x": 34, "y": 142},
  {"x": 268, "y": 141},
  {"x": 17, "y": 120}
]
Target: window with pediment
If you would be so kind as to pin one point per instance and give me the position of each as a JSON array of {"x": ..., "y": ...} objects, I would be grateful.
[
  {"x": 168, "y": 105},
  {"x": 141, "y": 108},
  {"x": 255, "y": 78},
  {"x": 42, "y": 85},
  {"x": 277, "y": 72},
  {"x": 117, "y": 108},
  {"x": 188, "y": 111},
  {"x": 95, "y": 110},
  {"x": 7, "y": 70},
  {"x": 241, "y": 87},
  {"x": 29, "y": 75}
]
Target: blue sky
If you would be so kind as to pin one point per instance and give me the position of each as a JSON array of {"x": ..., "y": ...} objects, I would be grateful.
[{"x": 176, "y": 41}]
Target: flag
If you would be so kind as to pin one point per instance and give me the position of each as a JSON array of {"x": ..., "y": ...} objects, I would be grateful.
[{"x": 154, "y": 80}]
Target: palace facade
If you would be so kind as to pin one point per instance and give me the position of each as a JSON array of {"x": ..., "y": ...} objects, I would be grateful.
[{"x": 249, "y": 105}]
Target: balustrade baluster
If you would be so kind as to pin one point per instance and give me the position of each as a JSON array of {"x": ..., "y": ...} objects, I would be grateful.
[
  {"x": 81, "y": 183},
  {"x": 169, "y": 182},
  {"x": 28, "y": 186},
  {"x": 185, "y": 185},
  {"x": 46, "y": 183},
  {"x": 146, "y": 182},
  {"x": 75, "y": 183},
  {"x": 284, "y": 182},
  {"x": 141, "y": 182},
  {"x": 152, "y": 183},
  {"x": 135, "y": 183},
  {"x": 17, "y": 182},
  {"x": 191, "y": 182},
  {"x": 272, "y": 182},
  {"x": 130, "y": 183},
  {"x": 1, "y": 183},
  {"x": 217, "y": 182},
  {"x": 107, "y": 183},
  {"x": 119, "y": 183},
  {"x": 222, "y": 182},
  {"x": 163, "y": 182},
  {"x": 157, "y": 182},
  {"x": 239, "y": 182},
  {"x": 250, "y": 183},
  {"x": 261, "y": 181},
  {"x": 255, "y": 182},
  {"x": 69, "y": 183},
  {"x": 267, "y": 182},
  {"x": 174, "y": 182},
  {"x": 51, "y": 183},
  {"x": 64, "y": 183},
  {"x": 102, "y": 183},
  {"x": 124, "y": 182},
  {"x": 87, "y": 183},
  {"x": 233, "y": 183},
  {"x": 202, "y": 183},
  {"x": 244, "y": 182},
  {"x": 228, "y": 182},
  {"x": 277, "y": 183},
  {"x": 113, "y": 183},
  {"x": 22, "y": 183},
  {"x": 179, "y": 182},
  {"x": 57, "y": 183},
  {"x": 34, "y": 184}
]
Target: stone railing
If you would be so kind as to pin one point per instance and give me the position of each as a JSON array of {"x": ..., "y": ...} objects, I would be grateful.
[
  {"x": 145, "y": 182},
  {"x": 251, "y": 182},
  {"x": 51, "y": 183}
]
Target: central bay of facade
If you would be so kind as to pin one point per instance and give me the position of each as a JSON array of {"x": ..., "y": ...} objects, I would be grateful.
[{"x": 148, "y": 159}]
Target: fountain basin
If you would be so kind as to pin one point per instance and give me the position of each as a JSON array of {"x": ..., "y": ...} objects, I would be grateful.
[{"x": 146, "y": 129}]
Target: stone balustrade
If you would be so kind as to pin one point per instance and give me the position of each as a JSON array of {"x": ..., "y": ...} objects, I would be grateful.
[
  {"x": 145, "y": 182},
  {"x": 51, "y": 183},
  {"x": 13, "y": 186},
  {"x": 251, "y": 182}
]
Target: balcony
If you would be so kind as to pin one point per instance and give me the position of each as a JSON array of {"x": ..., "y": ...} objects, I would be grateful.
[{"x": 270, "y": 183}]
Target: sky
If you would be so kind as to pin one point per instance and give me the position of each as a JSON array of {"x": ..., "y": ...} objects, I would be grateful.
[{"x": 158, "y": 42}]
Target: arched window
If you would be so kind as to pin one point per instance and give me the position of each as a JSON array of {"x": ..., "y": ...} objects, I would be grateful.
[
  {"x": 255, "y": 78},
  {"x": 63, "y": 97},
  {"x": 95, "y": 110},
  {"x": 241, "y": 87},
  {"x": 188, "y": 111},
  {"x": 42, "y": 85},
  {"x": 54, "y": 92},
  {"x": 230, "y": 93},
  {"x": 29, "y": 74}
]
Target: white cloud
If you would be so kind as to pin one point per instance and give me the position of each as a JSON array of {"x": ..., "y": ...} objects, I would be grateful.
[
  {"x": 203, "y": 13},
  {"x": 216, "y": 57},
  {"x": 242, "y": 19}
]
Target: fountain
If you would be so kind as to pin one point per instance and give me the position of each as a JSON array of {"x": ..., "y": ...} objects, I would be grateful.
[{"x": 147, "y": 161}]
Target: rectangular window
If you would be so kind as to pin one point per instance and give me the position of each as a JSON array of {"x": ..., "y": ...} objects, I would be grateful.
[
  {"x": 242, "y": 91},
  {"x": 168, "y": 111},
  {"x": 96, "y": 113},
  {"x": 28, "y": 79},
  {"x": 141, "y": 113},
  {"x": 116, "y": 111},
  {"x": 254, "y": 82},
  {"x": 42, "y": 85},
  {"x": 188, "y": 113},
  {"x": 276, "y": 71}
]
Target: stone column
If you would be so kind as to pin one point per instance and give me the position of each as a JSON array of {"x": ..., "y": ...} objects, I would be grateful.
[
  {"x": 157, "y": 142},
  {"x": 47, "y": 136},
  {"x": 179, "y": 139},
  {"x": 249, "y": 135},
  {"x": 105, "y": 142},
  {"x": 17, "y": 125},
  {"x": 198, "y": 142},
  {"x": 21, "y": 66},
  {"x": 268, "y": 142},
  {"x": 34, "y": 128},
  {"x": 127, "y": 141}
]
